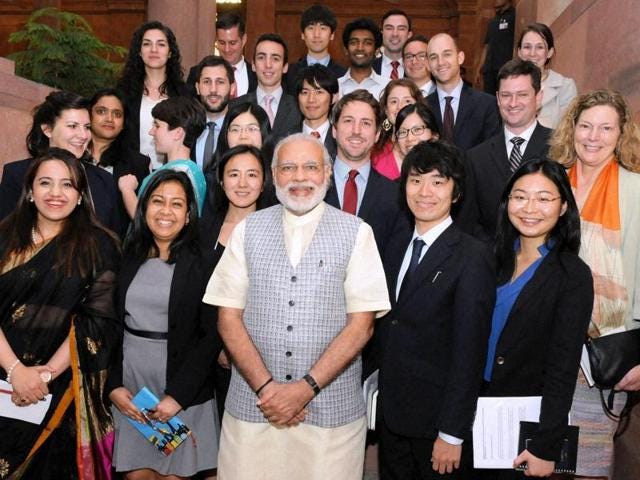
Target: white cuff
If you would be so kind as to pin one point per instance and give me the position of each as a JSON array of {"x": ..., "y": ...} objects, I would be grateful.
[{"x": 450, "y": 438}]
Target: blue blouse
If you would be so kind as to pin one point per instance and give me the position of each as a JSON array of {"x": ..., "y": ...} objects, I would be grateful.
[{"x": 506, "y": 297}]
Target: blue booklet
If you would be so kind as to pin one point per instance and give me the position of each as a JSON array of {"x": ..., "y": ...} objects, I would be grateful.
[{"x": 166, "y": 437}]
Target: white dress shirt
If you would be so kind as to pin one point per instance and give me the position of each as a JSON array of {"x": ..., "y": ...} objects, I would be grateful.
[
  {"x": 526, "y": 135},
  {"x": 322, "y": 129},
  {"x": 386, "y": 68},
  {"x": 242, "y": 77},
  {"x": 374, "y": 83},
  {"x": 455, "y": 102}
]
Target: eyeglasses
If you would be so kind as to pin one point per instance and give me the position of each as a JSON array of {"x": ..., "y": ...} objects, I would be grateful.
[
  {"x": 415, "y": 131},
  {"x": 541, "y": 199},
  {"x": 410, "y": 57},
  {"x": 237, "y": 129}
]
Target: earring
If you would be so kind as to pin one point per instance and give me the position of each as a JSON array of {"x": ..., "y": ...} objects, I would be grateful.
[
  {"x": 30, "y": 197},
  {"x": 79, "y": 200},
  {"x": 387, "y": 125}
]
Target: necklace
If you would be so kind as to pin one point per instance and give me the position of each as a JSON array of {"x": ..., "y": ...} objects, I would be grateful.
[{"x": 35, "y": 236}]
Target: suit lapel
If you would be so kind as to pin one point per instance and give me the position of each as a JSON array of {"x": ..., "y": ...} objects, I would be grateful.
[
  {"x": 537, "y": 143},
  {"x": 395, "y": 255},
  {"x": 332, "y": 196},
  {"x": 533, "y": 290},
  {"x": 498, "y": 154},
  {"x": 179, "y": 282},
  {"x": 464, "y": 109},
  {"x": 369, "y": 197},
  {"x": 437, "y": 254},
  {"x": 434, "y": 105}
]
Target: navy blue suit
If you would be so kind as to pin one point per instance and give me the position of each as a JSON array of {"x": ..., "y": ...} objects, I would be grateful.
[{"x": 477, "y": 119}]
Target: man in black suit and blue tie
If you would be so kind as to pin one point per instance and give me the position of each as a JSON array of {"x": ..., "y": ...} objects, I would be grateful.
[
  {"x": 490, "y": 164},
  {"x": 434, "y": 339},
  {"x": 318, "y": 27},
  {"x": 466, "y": 117}
]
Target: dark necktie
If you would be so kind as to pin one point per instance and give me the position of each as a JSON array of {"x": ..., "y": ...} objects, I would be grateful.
[
  {"x": 447, "y": 121},
  {"x": 208, "y": 146},
  {"x": 315, "y": 134},
  {"x": 350, "y": 198},
  {"x": 418, "y": 244},
  {"x": 394, "y": 70},
  {"x": 515, "y": 159}
]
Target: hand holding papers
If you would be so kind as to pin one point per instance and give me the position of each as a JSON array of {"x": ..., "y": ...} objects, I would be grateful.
[{"x": 31, "y": 413}]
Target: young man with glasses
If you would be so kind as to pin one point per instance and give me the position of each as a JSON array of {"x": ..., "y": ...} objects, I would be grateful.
[{"x": 416, "y": 67}]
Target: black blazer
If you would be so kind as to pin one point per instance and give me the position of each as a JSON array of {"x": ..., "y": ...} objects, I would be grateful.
[
  {"x": 133, "y": 163},
  {"x": 295, "y": 68},
  {"x": 380, "y": 206},
  {"x": 133, "y": 116},
  {"x": 477, "y": 118},
  {"x": 434, "y": 339},
  {"x": 288, "y": 116},
  {"x": 101, "y": 186},
  {"x": 538, "y": 352},
  {"x": 193, "y": 344},
  {"x": 488, "y": 172}
]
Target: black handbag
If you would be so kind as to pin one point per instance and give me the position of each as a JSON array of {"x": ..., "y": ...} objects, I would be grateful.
[{"x": 610, "y": 358}]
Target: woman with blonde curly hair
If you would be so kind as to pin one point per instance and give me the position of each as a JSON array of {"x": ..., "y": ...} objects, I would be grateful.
[{"x": 599, "y": 143}]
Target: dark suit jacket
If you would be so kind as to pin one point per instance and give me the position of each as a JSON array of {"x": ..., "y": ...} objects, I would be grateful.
[
  {"x": 192, "y": 80},
  {"x": 193, "y": 344},
  {"x": 133, "y": 163},
  {"x": 295, "y": 68},
  {"x": 477, "y": 118},
  {"x": 288, "y": 116},
  {"x": 101, "y": 186},
  {"x": 133, "y": 117},
  {"x": 488, "y": 172},
  {"x": 538, "y": 352},
  {"x": 434, "y": 339},
  {"x": 380, "y": 206}
]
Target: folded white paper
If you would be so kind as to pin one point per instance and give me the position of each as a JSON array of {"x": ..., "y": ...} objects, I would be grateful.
[
  {"x": 497, "y": 427},
  {"x": 370, "y": 391},
  {"x": 30, "y": 413}
]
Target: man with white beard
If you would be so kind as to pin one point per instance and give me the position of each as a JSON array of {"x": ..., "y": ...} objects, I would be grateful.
[{"x": 298, "y": 288}]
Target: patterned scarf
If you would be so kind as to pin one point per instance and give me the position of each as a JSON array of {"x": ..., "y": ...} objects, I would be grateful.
[{"x": 601, "y": 249}]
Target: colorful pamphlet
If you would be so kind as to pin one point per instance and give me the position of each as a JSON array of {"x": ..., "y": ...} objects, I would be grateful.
[{"x": 166, "y": 437}]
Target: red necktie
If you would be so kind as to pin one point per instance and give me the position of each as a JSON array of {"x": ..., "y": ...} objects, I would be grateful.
[
  {"x": 350, "y": 199},
  {"x": 447, "y": 121},
  {"x": 394, "y": 70},
  {"x": 315, "y": 134}
]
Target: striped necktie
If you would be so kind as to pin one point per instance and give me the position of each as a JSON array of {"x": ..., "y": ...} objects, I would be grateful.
[{"x": 515, "y": 159}]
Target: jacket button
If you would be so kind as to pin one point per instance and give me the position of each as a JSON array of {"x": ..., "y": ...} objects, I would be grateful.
[
  {"x": 288, "y": 377},
  {"x": 294, "y": 279},
  {"x": 289, "y": 328},
  {"x": 291, "y": 303},
  {"x": 394, "y": 321},
  {"x": 288, "y": 354},
  {"x": 500, "y": 360}
]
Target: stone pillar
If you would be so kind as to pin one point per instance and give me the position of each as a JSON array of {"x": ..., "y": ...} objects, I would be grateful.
[{"x": 193, "y": 23}]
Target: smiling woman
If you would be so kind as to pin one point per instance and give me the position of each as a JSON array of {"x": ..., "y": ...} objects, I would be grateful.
[
  {"x": 57, "y": 278},
  {"x": 169, "y": 337},
  {"x": 61, "y": 121}
]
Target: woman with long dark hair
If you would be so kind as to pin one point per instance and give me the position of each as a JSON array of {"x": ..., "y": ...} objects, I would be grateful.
[
  {"x": 61, "y": 121},
  {"x": 152, "y": 73},
  {"x": 57, "y": 278},
  {"x": 543, "y": 306},
  {"x": 170, "y": 339}
]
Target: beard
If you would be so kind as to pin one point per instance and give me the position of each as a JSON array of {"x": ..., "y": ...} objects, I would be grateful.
[
  {"x": 300, "y": 206},
  {"x": 223, "y": 104}
]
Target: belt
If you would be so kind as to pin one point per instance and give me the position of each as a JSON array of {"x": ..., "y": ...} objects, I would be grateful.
[{"x": 147, "y": 334}]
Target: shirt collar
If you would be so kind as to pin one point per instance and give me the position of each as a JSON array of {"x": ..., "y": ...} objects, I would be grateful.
[
  {"x": 526, "y": 135},
  {"x": 300, "y": 220},
  {"x": 386, "y": 61},
  {"x": 260, "y": 94},
  {"x": 341, "y": 169},
  {"x": 241, "y": 65},
  {"x": 322, "y": 129},
  {"x": 455, "y": 93},
  {"x": 323, "y": 61},
  {"x": 373, "y": 77},
  {"x": 433, "y": 233}
]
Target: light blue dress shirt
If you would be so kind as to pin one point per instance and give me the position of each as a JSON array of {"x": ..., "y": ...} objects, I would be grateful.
[{"x": 341, "y": 174}]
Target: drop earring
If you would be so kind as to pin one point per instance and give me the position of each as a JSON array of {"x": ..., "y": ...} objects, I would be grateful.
[
  {"x": 79, "y": 200},
  {"x": 387, "y": 125}
]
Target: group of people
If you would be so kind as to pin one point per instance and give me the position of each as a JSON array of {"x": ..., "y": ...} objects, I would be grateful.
[{"x": 252, "y": 243}]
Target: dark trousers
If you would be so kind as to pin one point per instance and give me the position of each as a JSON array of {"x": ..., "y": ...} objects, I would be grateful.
[{"x": 409, "y": 458}]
